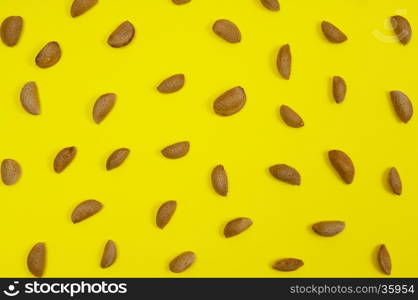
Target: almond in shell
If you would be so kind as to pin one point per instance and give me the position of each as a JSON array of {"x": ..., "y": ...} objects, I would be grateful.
[
  {"x": 49, "y": 55},
  {"x": 11, "y": 29},
  {"x": 122, "y": 35},
  {"x": 79, "y": 7},
  {"x": 36, "y": 260},
  {"x": 64, "y": 158},
  {"x": 109, "y": 254},
  {"x": 237, "y": 226},
  {"x": 328, "y": 228},
  {"x": 227, "y": 30},
  {"x": 10, "y": 171},
  {"x": 402, "y": 105},
  {"x": 288, "y": 264},
  {"x": 165, "y": 213},
  {"x": 343, "y": 164},
  {"x": 284, "y": 61},
  {"x": 285, "y": 173},
  {"x": 85, "y": 210},
  {"x": 117, "y": 158},
  {"x": 332, "y": 33},
  {"x": 29, "y": 98},
  {"x": 171, "y": 84},
  {"x": 230, "y": 102},
  {"x": 402, "y": 28},
  {"x": 182, "y": 262},
  {"x": 176, "y": 150}
]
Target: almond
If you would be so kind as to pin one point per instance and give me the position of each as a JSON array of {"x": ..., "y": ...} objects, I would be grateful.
[
  {"x": 328, "y": 228},
  {"x": 227, "y": 30},
  {"x": 79, "y": 7},
  {"x": 288, "y": 264},
  {"x": 11, "y": 29},
  {"x": 171, "y": 84},
  {"x": 237, "y": 226},
  {"x": 122, "y": 35},
  {"x": 272, "y": 5},
  {"x": 29, "y": 98},
  {"x": 402, "y": 105},
  {"x": 230, "y": 102},
  {"x": 384, "y": 260},
  {"x": 182, "y": 262},
  {"x": 290, "y": 117},
  {"x": 117, "y": 158},
  {"x": 220, "y": 180},
  {"x": 103, "y": 106},
  {"x": 339, "y": 88},
  {"x": 165, "y": 212},
  {"x": 109, "y": 254},
  {"x": 10, "y": 171},
  {"x": 176, "y": 150},
  {"x": 395, "y": 181},
  {"x": 284, "y": 61},
  {"x": 85, "y": 210},
  {"x": 342, "y": 164},
  {"x": 49, "y": 55},
  {"x": 402, "y": 29},
  {"x": 64, "y": 158},
  {"x": 285, "y": 173},
  {"x": 37, "y": 259},
  {"x": 179, "y": 2},
  {"x": 332, "y": 33}
]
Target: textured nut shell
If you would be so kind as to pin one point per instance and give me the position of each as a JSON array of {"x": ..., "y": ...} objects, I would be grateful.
[
  {"x": 11, "y": 29},
  {"x": 220, "y": 180},
  {"x": 384, "y": 260},
  {"x": 290, "y": 117},
  {"x": 165, "y": 213},
  {"x": 37, "y": 259},
  {"x": 402, "y": 105},
  {"x": 343, "y": 164},
  {"x": 284, "y": 61},
  {"x": 285, "y": 173},
  {"x": 288, "y": 264},
  {"x": 29, "y": 98},
  {"x": 332, "y": 33},
  {"x": 109, "y": 254},
  {"x": 10, "y": 171},
  {"x": 171, "y": 84},
  {"x": 182, "y": 262},
  {"x": 122, "y": 35},
  {"x": 85, "y": 210},
  {"x": 176, "y": 150},
  {"x": 179, "y": 2},
  {"x": 227, "y": 30},
  {"x": 79, "y": 7},
  {"x": 49, "y": 55},
  {"x": 117, "y": 158},
  {"x": 230, "y": 102},
  {"x": 64, "y": 158},
  {"x": 328, "y": 228},
  {"x": 237, "y": 226},
  {"x": 395, "y": 181},
  {"x": 103, "y": 106},
  {"x": 402, "y": 28},
  {"x": 272, "y": 5},
  {"x": 339, "y": 88}
]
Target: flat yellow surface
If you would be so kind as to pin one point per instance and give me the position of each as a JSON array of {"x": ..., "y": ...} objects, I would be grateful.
[{"x": 174, "y": 39}]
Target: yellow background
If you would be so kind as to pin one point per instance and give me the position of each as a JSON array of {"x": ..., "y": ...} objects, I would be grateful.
[{"x": 178, "y": 39}]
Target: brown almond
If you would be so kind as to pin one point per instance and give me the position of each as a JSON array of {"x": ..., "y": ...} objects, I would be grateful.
[
  {"x": 117, "y": 158},
  {"x": 227, "y": 30},
  {"x": 49, "y": 55},
  {"x": 230, "y": 102},
  {"x": 402, "y": 29},
  {"x": 64, "y": 158},
  {"x": 79, "y": 7},
  {"x": 284, "y": 61},
  {"x": 165, "y": 212},
  {"x": 384, "y": 260},
  {"x": 343, "y": 164},
  {"x": 237, "y": 226},
  {"x": 29, "y": 98},
  {"x": 339, "y": 88},
  {"x": 37, "y": 259},
  {"x": 103, "y": 106},
  {"x": 176, "y": 150},
  {"x": 285, "y": 173},
  {"x": 179, "y": 2},
  {"x": 171, "y": 84},
  {"x": 290, "y": 117},
  {"x": 328, "y": 228},
  {"x": 395, "y": 181},
  {"x": 85, "y": 210},
  {"x": 220, "y": 180},
  {"x": 109, "y": 254},
  {"x": 11, "y": 29},
  {"x": 182, "y": 262},
  {"x": 10, "y": 171},
  {"x": 402, "y": 105},
  {"x": 288, "y": 264},
  {"x": 272, "y": 5},
  {"x": 122, "y": 35},
  {"x": 332, "y": 33}
]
